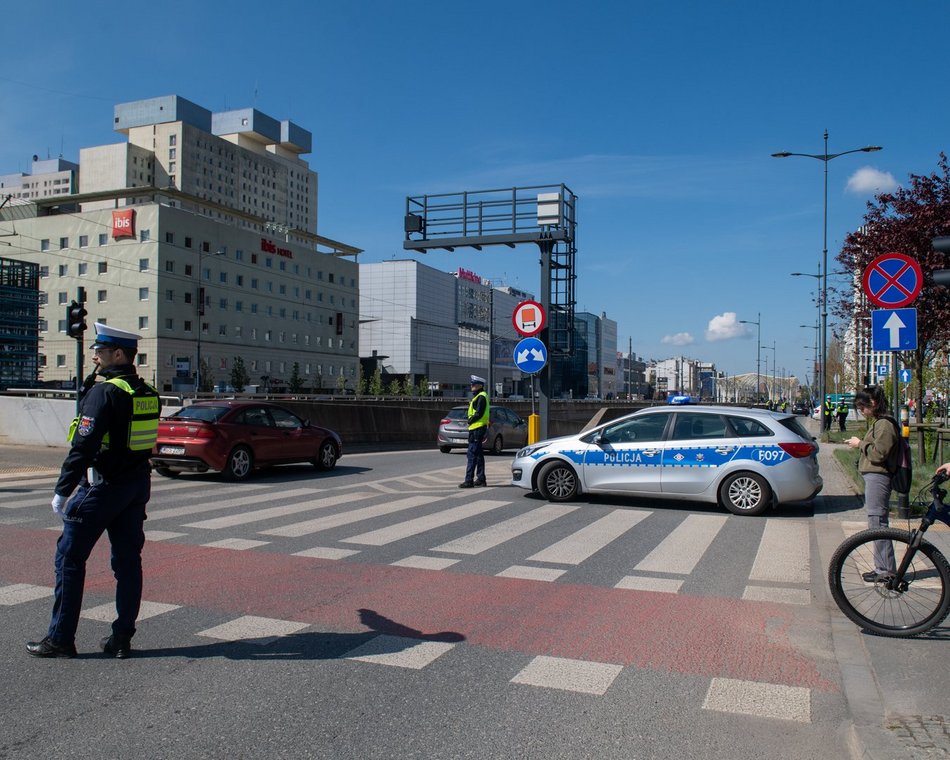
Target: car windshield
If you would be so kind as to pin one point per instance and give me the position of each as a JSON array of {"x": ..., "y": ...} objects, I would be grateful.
[{"x": 205, "y": 413}]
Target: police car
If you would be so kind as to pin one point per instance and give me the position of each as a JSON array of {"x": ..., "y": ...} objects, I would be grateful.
[{"x": 745, "y": 459}]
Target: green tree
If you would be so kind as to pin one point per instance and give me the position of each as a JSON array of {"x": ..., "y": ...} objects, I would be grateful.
[
  {"x": 296, "y": 381},
  {"x": 906, "y": 221},
  {"x": 376, "y": 382},
  {"x": 206, "y": 381},
  {"x": 239, "y": 376}
]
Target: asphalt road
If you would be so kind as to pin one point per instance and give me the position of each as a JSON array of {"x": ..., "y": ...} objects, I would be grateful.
[{"x": 378, "y": 611}]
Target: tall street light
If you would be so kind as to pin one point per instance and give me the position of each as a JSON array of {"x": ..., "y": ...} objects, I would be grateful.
[
  {"x": 814, "y": 366},
  {"x": 825, "y": 158},
  {"x": 772, "y": 349},
  {"x": 758, "y": 341}
]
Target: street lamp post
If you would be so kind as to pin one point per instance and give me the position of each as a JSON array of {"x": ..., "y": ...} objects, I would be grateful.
[
  {"x": 758, "y": 340},
  {"x": 772, "y": 349},
  {"x": 825, "y": 158}
]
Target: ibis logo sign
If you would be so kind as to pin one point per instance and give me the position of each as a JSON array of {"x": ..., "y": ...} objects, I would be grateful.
[{"x": 123, "y": 223}]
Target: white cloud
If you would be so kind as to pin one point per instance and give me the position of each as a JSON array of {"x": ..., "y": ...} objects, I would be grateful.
[
  {"x": 869, "y": 180},
  {"x": 680, "y": 339},
  {"x": 725, "y": 326}
]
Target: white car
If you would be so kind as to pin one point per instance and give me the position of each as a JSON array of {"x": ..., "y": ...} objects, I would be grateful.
[{"x": 745, "y": 459}]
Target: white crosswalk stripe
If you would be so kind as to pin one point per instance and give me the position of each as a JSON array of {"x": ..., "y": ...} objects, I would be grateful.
[
  {"x": 346, "y": 518},
  {"x": 259, "y": 515},
  {"x": 679, "y": 552},
  {"x": 422, "y": 524},
  {"x": 488, "y": 538},
  {"x": 588, "y": 541}
]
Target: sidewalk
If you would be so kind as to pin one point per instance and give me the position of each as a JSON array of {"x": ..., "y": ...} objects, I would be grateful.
[{"x": 898, "y": 690}]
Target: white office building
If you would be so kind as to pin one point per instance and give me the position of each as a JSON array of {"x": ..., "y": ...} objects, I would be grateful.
[
  {"x": 419, "y": 322},
  {"x": 200, "y": 234}
]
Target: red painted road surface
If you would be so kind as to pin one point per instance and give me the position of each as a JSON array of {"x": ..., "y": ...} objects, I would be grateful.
[{"x": 705, "y": 636}]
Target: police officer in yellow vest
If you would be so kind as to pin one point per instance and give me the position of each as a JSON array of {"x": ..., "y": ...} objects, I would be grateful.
[
  {"x": 478, "y": 416},
  {"x": 112, "y": 438}
]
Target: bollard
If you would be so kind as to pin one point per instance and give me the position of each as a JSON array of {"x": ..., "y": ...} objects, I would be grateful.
[
  {"x": 534, "y": 428},
  {"x": 903, "y": 500}
]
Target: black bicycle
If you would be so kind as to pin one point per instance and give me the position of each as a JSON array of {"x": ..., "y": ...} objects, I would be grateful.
[{"x": 907, "y": 602}]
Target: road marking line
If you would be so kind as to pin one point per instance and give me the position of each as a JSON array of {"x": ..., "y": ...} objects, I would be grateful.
[
  {"x": 307, "y": 527},
  {"x": 798, "y": 596},
  {"x": 419, "y": 525},
  {"x": 531, "y": 573},
  {"x": 764, "y": 700},
  {"x": 685, "y": 545},
  {"x": 162, "y": 535},
  {"x": 649, "y": 583},
  {"x": 783, "y": 553},
  {"x": 399, "y": 651},
  {"x": 568, "y": 675},
  {"x": 493, "y": 535},
  {"x": 219, "y": 501},
  {"x": 588, "y": 541},
  {"x": 251, "y": 629},
  {"x": 18, "y": 593},
  {"x": 258, "y": 515},
  {"x": 105, "y": 613},
  {"x": 238, "y": 544},
  {"x": 326, "y": 552},
  {"x": 425, "y": 563}
]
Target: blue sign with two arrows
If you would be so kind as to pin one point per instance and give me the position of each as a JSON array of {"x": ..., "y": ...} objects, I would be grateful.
[{"x": 530, "y": 355}]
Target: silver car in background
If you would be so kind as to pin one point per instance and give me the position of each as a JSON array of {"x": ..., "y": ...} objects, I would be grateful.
[
  {"x": 506, "y": 430},
  {"x": 745, "y": 459}
]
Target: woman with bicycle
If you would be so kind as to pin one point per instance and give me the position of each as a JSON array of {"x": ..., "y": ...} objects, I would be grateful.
[{"x": 877, "y": 449}]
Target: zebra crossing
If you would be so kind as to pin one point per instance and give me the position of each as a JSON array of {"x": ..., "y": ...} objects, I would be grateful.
[
  {"x": 340, "y": 522},
  {"x": 450, "y": 530}
]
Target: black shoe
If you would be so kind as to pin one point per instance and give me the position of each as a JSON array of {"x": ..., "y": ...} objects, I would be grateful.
[
  {"x": 49, "y": 648},
  {"x": 480, "y": 484},
  {"x": 116, "y": 646},
  {"x": 467, "y": 484},
  {"x": 873, "y": 576}
]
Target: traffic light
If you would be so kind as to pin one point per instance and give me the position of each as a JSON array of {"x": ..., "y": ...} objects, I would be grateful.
[
  {"x": 75, "y": 320},
  {"x": 942, "y": 276}
]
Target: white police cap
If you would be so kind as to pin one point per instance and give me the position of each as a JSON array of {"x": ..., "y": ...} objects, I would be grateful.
[
  {"x": 113, "y": 337},
  {"x": 477, "y": 379}
]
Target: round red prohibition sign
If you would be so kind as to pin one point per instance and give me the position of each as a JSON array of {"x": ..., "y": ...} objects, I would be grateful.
[
  {"x": 528, "y": 318},
  {"x": 893, "y": 280}
]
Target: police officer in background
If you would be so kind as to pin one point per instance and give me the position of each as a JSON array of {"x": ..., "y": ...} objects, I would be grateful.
[
  {"x": 478, "y": 415},
  {"x": 112, "y": 438}
]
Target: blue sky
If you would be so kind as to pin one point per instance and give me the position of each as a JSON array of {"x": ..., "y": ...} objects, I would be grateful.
[{"x": 661, "y": 117}]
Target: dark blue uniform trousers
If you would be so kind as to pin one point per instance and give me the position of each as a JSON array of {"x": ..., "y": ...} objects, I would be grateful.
[
  {"x": 119, "y": 509},
  {"x": 475, "y": 461}
]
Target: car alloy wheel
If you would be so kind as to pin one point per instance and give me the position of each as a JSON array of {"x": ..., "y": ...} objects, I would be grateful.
[
  {"x": 326, "y": 459},
  {"x": 557, "y": 481},
  {"x": 240, "y": 463},
  {"x": 745, "y": 494}
]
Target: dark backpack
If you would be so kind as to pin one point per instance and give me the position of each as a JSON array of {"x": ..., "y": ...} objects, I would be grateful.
[{"x": 900, "y": 465}]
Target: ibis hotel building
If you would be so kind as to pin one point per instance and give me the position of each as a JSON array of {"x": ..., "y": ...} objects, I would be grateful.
[{"x": 200, "y": 234}]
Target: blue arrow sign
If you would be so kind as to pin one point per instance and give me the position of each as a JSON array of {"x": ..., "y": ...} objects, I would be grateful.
[
  {"x": 530, "y": 355},
  {"x": 894, "y": 329},
  {"x": 904, "y": 375}
]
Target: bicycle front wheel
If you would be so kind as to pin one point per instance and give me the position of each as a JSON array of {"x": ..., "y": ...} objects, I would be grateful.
[{"x": 899, "y": 607}]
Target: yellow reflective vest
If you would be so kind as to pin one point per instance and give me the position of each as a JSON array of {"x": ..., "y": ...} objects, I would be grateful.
[{"x": 483, "y": 420}]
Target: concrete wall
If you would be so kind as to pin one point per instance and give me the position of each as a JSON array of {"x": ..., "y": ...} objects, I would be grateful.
[{"x": 360, "y": 422}]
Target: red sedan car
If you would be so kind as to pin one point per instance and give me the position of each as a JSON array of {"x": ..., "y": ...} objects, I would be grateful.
[{"x": 236, "y": 436}]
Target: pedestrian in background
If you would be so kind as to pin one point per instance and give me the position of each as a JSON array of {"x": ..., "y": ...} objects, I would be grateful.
[
  {"x": 842, "y": 413},
  {"x": 478, "y": 416},
  {"x": 878, "y": 451},
  {"x": 827, "y": 413},
  {"x": 112, "y": 438}
]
